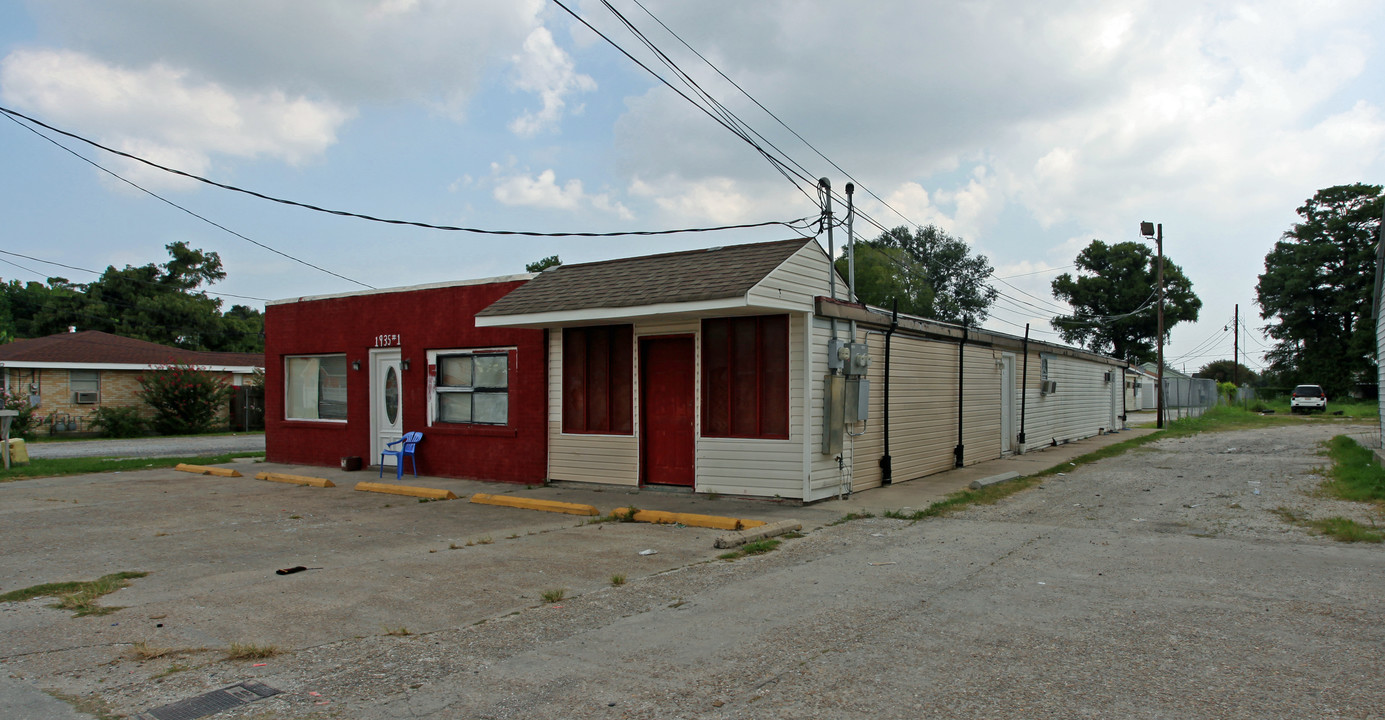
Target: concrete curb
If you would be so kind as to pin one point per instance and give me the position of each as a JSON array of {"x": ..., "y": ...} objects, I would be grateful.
[
  {"x": 295, "y": 479},
  {"x": 716, "y": 522},
  {"x": 993, "y": 480},
  {"x": 410, "y": 490},
  {"x": 207, "y": 470},
  {"x": 534, "y": 504},
  {"x": 759, "y": 533}
]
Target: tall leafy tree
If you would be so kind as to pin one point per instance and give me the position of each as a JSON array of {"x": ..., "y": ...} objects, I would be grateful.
[
  {"x": 1317, "y": 285},
  {"x": 1113, "y": 297},
  {"x": 1226, "y": 370},
  {"x": 931, "y": 273},
  {"x": 159, "y": 303}
]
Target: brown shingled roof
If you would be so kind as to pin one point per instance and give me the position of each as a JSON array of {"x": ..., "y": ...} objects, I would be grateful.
[
  {"x": 679, "y": 277},
  {"x": 93, "y": 346}
]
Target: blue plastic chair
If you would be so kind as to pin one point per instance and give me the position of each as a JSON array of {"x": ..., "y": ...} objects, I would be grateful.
[{"x": 410, "y": 442}]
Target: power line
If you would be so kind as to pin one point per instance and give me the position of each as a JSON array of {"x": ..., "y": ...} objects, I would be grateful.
[
  {"x": 10, "y": 115},
  {"x": 796, "y": 225},
  {"x": 97, "y": 272}
]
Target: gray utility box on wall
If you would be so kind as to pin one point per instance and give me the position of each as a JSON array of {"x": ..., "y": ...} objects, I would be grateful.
[{"x": 857, "y": 399}]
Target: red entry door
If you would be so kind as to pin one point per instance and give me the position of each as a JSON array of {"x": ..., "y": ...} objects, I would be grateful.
[{"x": 666, "y": 411}]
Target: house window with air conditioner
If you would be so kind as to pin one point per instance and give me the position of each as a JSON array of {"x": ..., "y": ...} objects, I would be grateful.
[{"x": 85, "y": 386}]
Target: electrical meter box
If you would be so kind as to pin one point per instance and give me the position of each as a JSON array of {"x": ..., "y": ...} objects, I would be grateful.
[
  {"x": 858, "y": 361},
  {"x": 838, "y": 353},
  {"x": 857, "y": 399}
]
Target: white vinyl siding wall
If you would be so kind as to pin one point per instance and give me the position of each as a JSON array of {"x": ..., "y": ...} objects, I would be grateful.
[
  {"x": 1080, "y": 408},
  {"x": 610, "y": 459},
  {"x": 923, "y": 409},
  {"x": 827, "y": 477}
]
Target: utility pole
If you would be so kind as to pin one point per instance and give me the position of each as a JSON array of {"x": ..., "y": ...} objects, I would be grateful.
[
  {"x": 1148, "y": 229},
  {"x": 1236, "y": 348}
]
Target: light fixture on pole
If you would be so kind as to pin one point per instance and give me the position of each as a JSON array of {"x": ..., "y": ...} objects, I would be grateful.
[{"x": 1150, "y": 230}]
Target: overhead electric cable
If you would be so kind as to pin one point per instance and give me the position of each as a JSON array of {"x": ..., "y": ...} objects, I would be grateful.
[
  {"x": 10, "y": 114},
  {"x": 100, "y": 272},
  {"x": 769, "y": 112},
  {"x": 797, "y": 225},
  {"x": 772, "y": 160}
]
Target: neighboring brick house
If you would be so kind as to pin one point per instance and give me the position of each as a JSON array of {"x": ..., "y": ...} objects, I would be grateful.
[{"x": 68, "y": 375}]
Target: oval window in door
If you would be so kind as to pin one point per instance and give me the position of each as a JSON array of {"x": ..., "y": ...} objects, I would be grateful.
[{"x": 391, "y": 396}]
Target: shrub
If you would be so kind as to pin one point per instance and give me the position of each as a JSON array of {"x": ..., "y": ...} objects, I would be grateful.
[
  {"x": 25, "y": 424},
  {"x": 119, "y": 422},
  {"x": 186, "y": 399}
]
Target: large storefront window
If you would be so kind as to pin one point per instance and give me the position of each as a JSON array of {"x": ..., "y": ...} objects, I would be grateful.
[
  {"x": 316, "y": 387},
  {"x": 745, "y": 377},
  {"x": 598, "y": 372},
  {"x": 472, "y": 387}
]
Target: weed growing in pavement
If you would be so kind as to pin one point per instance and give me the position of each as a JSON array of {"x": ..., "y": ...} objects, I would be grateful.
[
  {"x": 239, "y": 651},
  {"x": 617, "y": 580},
  {"x": 80, "y": 596},
  {"x": 552, "y": 596},
  {"x": 1338, "y": 528},
  {"x": 172, "y": 669},
  {"x": 400, "y": 631},
  {"x": 485, "y": 541},
  {"x": 91, "y": 705},
  {"x": 454, "y": 546},
  {"x": 619, "y": 515},
  {"x": 759, "y": 547},
  {"x": 1354, "y": 474},
  {"x": 145, "y": 651},
  {"x": 852, "y": 516}
]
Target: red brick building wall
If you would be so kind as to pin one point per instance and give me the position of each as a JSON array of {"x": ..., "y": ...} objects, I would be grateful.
[{"x": 423, "y": 320}]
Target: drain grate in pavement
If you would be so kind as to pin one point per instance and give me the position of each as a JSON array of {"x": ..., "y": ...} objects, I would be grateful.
[{"x": 210, "y": 703}]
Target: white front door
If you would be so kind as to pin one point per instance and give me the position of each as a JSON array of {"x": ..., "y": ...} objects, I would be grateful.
[
  {"x": 386, "y": 402},
  {"x": 1007, "y": 402}
]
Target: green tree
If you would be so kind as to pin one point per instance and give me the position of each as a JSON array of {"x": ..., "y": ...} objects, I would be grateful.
[
  {"x": 931, "y": 273},
  {"x": 1222, "y": 371},
  {"x": 1113, "y": 297},
  {"x": 539, "y": 266},
  {"x": 1316, "y": 289},
  {"x": 158, "y": 303}
]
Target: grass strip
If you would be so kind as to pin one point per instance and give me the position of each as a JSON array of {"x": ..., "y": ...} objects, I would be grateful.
[
  {"x": 53, "y": 467},
  {"x": 1354, "y": 475},
  {"x": 78, "y": 596}
]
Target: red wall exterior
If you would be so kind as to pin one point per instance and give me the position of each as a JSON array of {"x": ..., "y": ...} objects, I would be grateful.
[{"x": 426, "y": 319}]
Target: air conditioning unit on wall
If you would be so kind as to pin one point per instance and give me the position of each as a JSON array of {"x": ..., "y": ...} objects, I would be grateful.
[
  {"x": 1048, "y": 387},
  {"x": 87, "y": 398}
]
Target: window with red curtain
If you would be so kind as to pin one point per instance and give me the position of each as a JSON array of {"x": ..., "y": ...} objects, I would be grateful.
[
  {"x": 745, "y": 377},
  {"x": 598, "y": 371}
]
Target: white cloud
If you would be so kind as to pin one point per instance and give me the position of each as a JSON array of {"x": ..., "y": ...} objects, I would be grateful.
[
  {"x": 543, "y": 191},
  {"x": 166, "y": 114},
  {"x": 545, "y": 69},
  {"x": 351, "y": 51}
]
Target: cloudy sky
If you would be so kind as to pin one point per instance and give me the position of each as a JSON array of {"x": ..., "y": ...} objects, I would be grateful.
[{"x": 1028, "y": 129}]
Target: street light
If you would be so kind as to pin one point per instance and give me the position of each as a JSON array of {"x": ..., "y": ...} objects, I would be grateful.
[{"x": 1149, "y": 230}]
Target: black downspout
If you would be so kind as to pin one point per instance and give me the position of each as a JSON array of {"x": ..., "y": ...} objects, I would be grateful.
[
  {"x": 961, "y": 354},
  {"x": 886, "y": 462},
  {"x": 1024, "y": 386}
]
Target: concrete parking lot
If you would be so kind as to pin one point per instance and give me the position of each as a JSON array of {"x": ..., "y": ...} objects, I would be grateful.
[{"x": 434, "y": 609}]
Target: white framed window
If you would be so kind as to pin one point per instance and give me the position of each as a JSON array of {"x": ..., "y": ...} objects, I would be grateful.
[
  {"x": 85, "y": 386},
  {"x": 315, "y": 387},
  {"x": 470, "y": 387}
]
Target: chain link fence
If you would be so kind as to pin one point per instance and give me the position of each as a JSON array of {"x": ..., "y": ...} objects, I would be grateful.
[{"x": 1188, "y": 397}]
